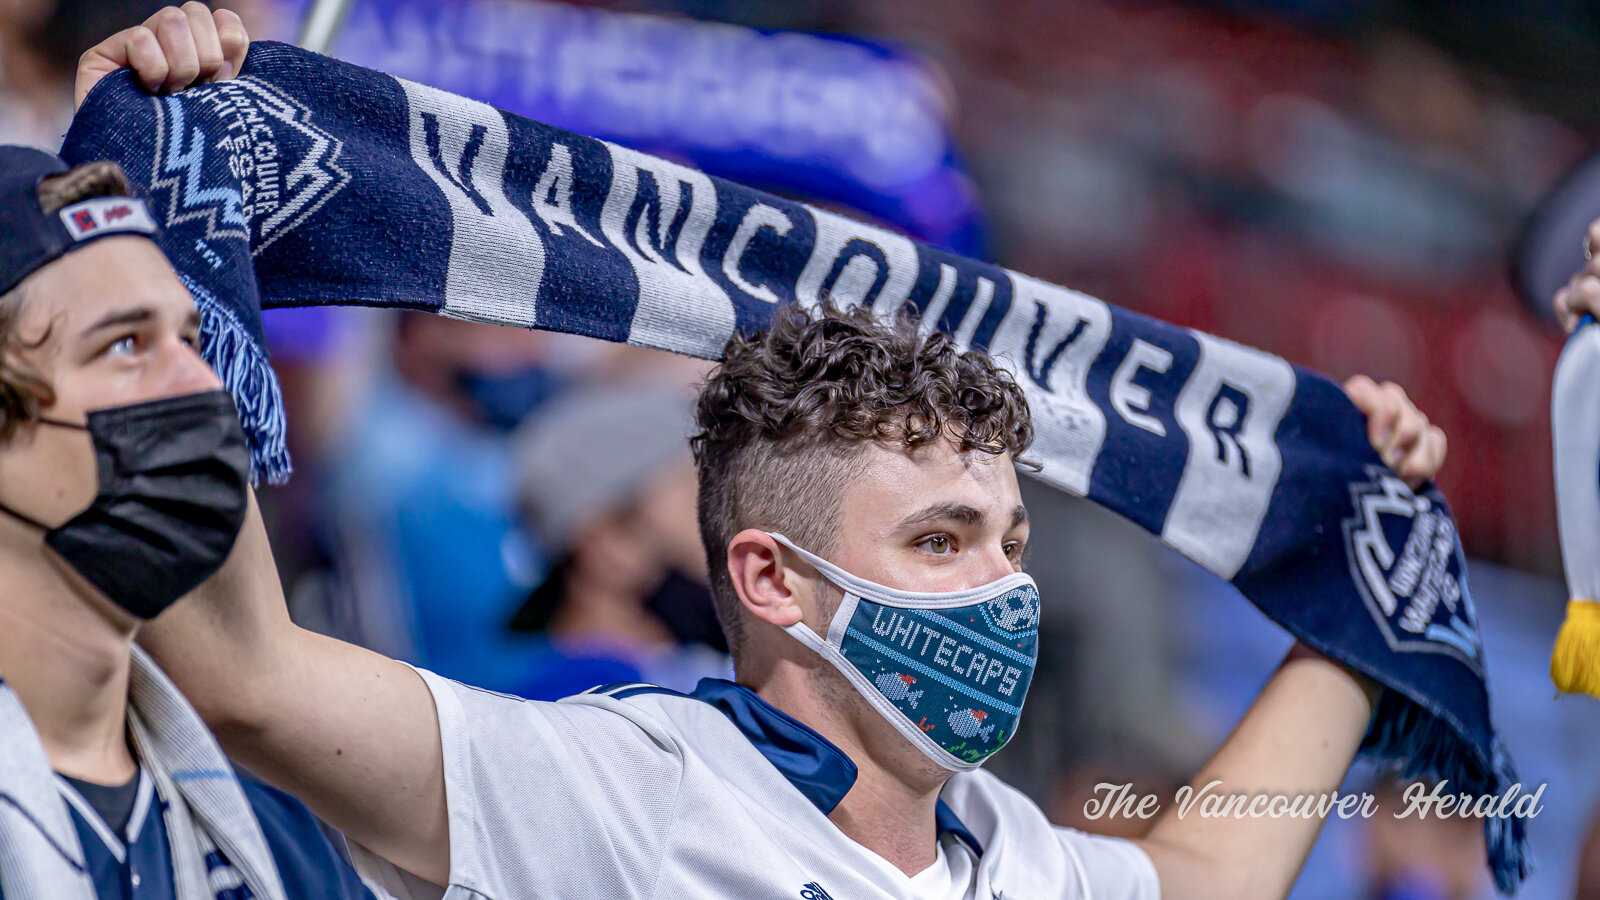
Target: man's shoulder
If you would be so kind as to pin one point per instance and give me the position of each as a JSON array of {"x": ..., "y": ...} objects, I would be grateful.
[
  {"x": 990, "y": 806},
  {"x": 594, "y": 781},
  {"x": 1027, "y": 854},
  {"x": 688, "y": 722},
  {"x": 642, "y": 727},
  {"x": 307, "y": 861}
]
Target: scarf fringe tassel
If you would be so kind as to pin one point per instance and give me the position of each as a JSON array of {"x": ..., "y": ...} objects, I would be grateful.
[
  {"x": 1414, "y": 743},
  {"x": 1575, "y": 664},
  {"x": 233, "y": 354}
]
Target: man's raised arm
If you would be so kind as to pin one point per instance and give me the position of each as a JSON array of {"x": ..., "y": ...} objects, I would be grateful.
[
  {"x": 352, "y": 733},
  {"x": 1299, "y": 736}
]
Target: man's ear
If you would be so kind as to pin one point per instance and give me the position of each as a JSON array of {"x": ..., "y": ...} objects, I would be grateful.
[{"x": 767, "y": 587}]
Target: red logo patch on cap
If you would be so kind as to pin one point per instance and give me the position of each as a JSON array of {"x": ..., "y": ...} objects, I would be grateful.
[{"x": 105, "y": 215}]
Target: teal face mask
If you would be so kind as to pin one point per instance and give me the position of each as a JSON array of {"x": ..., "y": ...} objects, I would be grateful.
[{"x": 948, "y": 670}]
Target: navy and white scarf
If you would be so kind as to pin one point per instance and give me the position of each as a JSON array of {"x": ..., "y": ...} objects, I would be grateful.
[
  {"x": 218, "y": 849},
  {"x": 310, "y": 181}
]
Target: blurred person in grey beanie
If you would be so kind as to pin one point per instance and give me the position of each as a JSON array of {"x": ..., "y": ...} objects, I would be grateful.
[{"x": 607, "y": 486}]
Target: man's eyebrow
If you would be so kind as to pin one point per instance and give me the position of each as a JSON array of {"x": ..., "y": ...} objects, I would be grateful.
[
  {"x": 1018, "y": 516},
  {"x": 122, "y": 317},
  {"x": 939, "y": 512}
]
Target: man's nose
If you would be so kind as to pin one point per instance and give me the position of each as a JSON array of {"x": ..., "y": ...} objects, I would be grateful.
[
  {"x": 184, "y": 372},
  {"x": 995, "y": 564}
]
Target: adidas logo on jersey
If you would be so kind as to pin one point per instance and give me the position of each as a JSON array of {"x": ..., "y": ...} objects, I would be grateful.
[{"x": 814, "y": 891}]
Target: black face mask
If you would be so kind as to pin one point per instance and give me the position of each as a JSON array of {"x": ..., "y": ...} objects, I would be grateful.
[
  {"x": 174, "y": 486},
  {"x": 503, "y": 399}
]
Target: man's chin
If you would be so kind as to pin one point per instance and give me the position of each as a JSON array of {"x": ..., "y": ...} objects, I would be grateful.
[{"x": 887, "y": 747}]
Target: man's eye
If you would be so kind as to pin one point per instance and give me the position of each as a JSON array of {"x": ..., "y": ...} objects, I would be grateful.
[
  {"x": 1013, "y": 550},
  {"x": 193, "y": 340},
  {"x": 122, "y": 346},
  {"x": 939, "y": 543}
]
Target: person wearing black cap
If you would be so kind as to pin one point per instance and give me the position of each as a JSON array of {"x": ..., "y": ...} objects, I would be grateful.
[
  {"x": 123, "y": 486},
  {"x": 607, "y": 485}
]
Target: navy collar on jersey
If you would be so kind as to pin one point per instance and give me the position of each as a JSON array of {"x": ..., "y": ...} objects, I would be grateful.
[
  {"x": 817, "y": 769},
  {"x": 115, "y": 844}
]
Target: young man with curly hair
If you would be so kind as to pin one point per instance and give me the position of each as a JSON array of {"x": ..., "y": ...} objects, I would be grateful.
[
  {"x": 859, "y": 502},
  {"x": 860, "y": 511}
]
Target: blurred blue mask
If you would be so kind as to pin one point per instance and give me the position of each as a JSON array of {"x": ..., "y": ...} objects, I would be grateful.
[{"x": 503, "y": 399}]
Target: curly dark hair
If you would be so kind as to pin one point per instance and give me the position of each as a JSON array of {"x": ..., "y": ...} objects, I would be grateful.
[
  {"x": 782, "y": 418},
  {"x": 23, "y": 392}
]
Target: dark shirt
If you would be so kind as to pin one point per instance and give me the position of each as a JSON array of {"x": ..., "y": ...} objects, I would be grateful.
[
  {"x": 114, "y": 802},
  {"x": 134, "y": 862},
  {"x": 127, "y": 859}
]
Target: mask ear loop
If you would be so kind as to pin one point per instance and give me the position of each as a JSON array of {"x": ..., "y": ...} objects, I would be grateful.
[
  {"x": 826, "y": 648},
  {"x": 23, "y": 517},
  {"x": 800, "y": 630}
]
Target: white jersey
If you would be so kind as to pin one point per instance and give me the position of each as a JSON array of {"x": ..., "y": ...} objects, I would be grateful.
[{"x": 632, "y": 791}]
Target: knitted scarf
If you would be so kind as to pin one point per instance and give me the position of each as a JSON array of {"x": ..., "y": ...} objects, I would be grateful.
[{"x": 311, "y": 181}]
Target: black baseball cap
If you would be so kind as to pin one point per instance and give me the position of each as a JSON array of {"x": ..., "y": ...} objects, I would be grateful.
[{"x": 31, "y": 237}]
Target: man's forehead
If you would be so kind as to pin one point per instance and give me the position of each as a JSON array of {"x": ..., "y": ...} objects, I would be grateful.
[
  {"x": 115, "y": 271},
  {"x": 943, "y": 456},
  {"x": 890, "y": 483}
]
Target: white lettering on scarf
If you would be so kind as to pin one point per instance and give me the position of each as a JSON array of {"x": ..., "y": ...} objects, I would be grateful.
[
  {"x": 759, "y": 216},
  {"x": 661, "y": 231},
  {"x": 1128, "y": 398},
  {"x": 1229, "y": 409},
  {"x": 496, "y": 255}
]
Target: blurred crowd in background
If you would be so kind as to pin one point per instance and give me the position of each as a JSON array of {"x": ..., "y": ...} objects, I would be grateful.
[{"x": 1336, "y": 181}]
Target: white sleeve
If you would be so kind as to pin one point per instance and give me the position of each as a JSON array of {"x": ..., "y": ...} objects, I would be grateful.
[
  {"x": 1109, "y": 868},
  {"x": 386, "y": 880},
  {"x": 553, "y": 799}
]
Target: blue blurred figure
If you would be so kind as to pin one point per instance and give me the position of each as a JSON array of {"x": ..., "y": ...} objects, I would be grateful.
[{"x": 420, "y": 500}]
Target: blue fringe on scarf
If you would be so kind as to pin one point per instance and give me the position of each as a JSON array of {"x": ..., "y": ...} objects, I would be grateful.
[
  {"x": 1410, "y": 742},
  {"x": 242, "y": 365}
]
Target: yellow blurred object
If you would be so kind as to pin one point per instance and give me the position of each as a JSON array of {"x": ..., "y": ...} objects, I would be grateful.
[{"x": 1575, "y": 664}]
